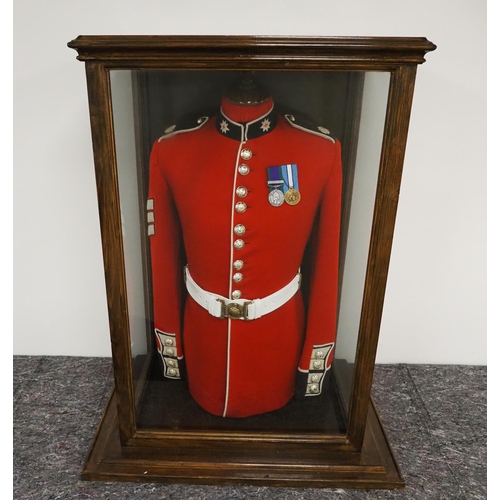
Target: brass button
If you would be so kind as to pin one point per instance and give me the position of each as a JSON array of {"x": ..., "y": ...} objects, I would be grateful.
[
  {"x": 236, "y": 295},
  {"x": 237, "y": 264},
  {"x": 243, "y": 169},
  {"x": 314, "y": 388},
  {"x": 317, "y": 364},
  {"x": 241, "y": 191},
  {"x": 315, "y": 378},
  {"x": 239, "y": 229},
  {"x": 246, "y": 154},
  {"x": 239, "y": 244},
  {"x": 240, "y": 207},
  {"x": 168, "y": 341},
  {"x": 237, "y": 277},
  {"x": 320, "y": 354}
]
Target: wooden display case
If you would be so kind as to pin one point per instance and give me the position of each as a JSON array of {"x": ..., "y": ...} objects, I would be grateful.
[{"x": 360, "y": 91}]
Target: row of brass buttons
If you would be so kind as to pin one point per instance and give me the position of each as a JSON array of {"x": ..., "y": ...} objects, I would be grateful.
[{"x": 240, "y": 229}]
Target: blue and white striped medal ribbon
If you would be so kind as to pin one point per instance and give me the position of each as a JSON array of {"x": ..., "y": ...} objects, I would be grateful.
[{"x": 290, "y": 175}]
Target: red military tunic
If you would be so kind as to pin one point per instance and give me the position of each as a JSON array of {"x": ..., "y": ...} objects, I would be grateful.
[{"x": 209, "y": 193}]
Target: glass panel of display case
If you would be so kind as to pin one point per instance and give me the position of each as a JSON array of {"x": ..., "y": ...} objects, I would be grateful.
[
  {"x": 269, "y": 196},
  {"x": 358, "y": 225}
]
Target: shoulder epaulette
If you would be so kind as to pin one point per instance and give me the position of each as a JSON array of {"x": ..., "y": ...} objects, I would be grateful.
[
  {"x": 188, "y": 123},
  {"x": 305, "y": 123}
]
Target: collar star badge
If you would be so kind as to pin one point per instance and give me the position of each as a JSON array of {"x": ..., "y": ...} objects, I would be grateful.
[
  {"x": 223, "y": 126},
  {"x": 265, "y": 125}
]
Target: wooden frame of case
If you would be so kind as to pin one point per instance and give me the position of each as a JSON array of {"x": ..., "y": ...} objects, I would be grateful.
[{"x": 362, "y": 458}]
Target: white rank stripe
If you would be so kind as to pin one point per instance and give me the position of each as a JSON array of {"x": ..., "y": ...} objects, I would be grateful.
[{"x": 290, "y": 176}]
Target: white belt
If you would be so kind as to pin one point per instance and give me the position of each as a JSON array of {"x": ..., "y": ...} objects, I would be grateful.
[{"x": 221, "y": 307}]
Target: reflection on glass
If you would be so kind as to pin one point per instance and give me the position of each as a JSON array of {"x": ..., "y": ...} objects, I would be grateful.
[
  {"x": 129, "y": 184},
  {"x": 358, "y": 229},
  {"x": 192, "y": 368}
]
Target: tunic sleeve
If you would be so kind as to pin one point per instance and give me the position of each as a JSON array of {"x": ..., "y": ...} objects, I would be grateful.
[
  {"x": 167, "y": 271},
  {"x": 317, "y": 353}
]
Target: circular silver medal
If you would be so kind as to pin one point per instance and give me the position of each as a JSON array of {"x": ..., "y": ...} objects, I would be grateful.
[{"x": 276, "y": 197}]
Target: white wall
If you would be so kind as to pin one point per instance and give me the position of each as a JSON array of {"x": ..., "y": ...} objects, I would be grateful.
[{"x": 435, "y": 302}]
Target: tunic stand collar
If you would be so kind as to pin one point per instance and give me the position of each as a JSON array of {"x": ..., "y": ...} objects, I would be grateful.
[{"x": 246, "y": 122}]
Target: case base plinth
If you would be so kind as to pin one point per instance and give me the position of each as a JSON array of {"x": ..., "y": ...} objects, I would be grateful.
[{"x": 375, "y": 469}]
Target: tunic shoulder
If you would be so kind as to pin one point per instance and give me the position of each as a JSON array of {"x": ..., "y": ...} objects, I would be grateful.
[
  {"x": 305, "y": 123},
  {"x": 188, "y": 123}
]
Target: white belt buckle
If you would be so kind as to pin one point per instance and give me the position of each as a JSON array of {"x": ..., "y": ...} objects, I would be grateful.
[{"x": 233, "y": 310}]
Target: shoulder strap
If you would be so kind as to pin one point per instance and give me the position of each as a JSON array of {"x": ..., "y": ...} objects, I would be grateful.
[{"x": 305, "y": 123}]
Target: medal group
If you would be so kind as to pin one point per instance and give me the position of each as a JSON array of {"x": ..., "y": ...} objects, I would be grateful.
[{"x": 283, "y": 184}]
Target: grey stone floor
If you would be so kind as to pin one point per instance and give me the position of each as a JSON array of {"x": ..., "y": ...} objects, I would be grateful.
[{"x": 435, "y": 417}]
